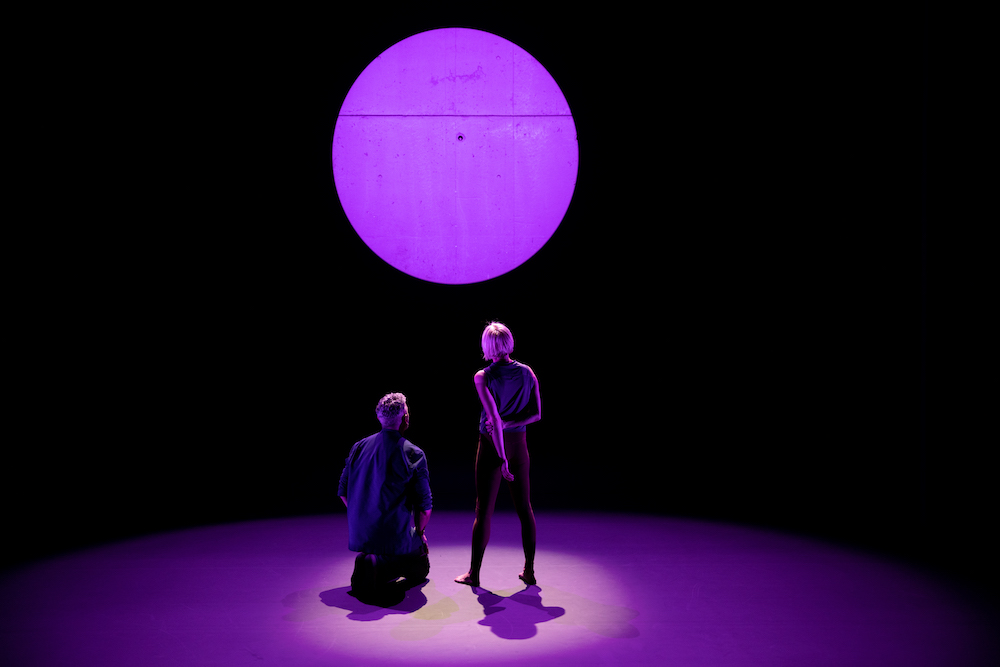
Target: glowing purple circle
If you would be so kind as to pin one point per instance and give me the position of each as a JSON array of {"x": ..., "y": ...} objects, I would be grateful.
[{"x": 455, "y": 155}]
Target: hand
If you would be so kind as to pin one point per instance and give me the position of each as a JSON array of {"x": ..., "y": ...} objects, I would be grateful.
[
  {"x": 505, "y": 471},
  {"x": 424, "y": 549}
]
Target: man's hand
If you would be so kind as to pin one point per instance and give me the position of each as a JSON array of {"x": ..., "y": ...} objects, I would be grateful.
[
  {"x": 505, "y": 471},
  {"x": 420, "y": 525}
]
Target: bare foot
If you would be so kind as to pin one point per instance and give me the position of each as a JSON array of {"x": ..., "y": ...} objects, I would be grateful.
[
  {"x": 467, "y": 579},
  {"x": 527, "y": 577}
]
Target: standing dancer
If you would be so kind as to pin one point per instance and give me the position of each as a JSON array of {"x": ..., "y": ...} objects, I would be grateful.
[{"x": 511, "y": 399}]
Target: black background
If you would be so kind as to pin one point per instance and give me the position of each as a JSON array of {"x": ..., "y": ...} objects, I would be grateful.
[{"x": 728, "y": 324}]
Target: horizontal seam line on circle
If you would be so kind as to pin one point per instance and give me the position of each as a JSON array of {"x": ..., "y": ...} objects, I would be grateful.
[{"x": 456, "y": 115}]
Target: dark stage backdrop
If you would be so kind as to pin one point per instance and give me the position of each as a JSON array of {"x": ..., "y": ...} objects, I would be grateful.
[{"x": 727, "y": 324}]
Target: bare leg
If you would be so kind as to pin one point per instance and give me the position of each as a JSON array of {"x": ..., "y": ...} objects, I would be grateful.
[
  {"x": 480, "y": 537},
  {"x": 520, "y": 493},
  {"x": 487, "y": 484}
]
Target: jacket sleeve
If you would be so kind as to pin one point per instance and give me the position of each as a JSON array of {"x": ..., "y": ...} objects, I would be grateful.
[
  {"x": 420, "y": 482},
  {"x": 342, "y": 486}
]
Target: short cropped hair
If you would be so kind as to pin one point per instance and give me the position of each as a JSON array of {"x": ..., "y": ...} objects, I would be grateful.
[
  {"x": 390, "y": 407},
  {"x": 497, "y": 340}
]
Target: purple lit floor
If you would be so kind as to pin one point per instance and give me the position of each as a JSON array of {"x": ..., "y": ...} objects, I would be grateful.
[{"x": 613, "y": 590}]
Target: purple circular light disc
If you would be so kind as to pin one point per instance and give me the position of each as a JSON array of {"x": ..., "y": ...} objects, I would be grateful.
[{"x": 455, "y": 156}]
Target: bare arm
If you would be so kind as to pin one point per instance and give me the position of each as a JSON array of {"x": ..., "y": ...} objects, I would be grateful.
[
  {"x": 494, "y": 425},
  {"x": 345, "y": 500}
]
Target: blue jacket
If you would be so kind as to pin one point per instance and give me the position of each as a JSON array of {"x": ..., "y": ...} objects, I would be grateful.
[{"x": 385, "y": 481}]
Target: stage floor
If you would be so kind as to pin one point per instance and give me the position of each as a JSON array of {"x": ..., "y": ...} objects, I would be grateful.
[{"x": 612, "y": 590}]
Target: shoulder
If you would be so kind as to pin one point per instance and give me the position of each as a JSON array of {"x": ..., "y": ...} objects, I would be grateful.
[
  {"x": 412, "y": 452},
  {"x": 480, "y": 376},
  {"x": 525, "y": 368},
  {"x": 409, "y": 446},
  {"x": 361, "y": 445}
]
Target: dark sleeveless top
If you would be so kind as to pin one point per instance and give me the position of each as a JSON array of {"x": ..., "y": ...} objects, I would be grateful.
[{"x": 510, "y": 384}]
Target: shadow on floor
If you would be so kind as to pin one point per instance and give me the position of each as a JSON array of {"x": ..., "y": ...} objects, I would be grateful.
[
  {"x": 398, "y": 599},
  {"x": 517, "y": 616}
]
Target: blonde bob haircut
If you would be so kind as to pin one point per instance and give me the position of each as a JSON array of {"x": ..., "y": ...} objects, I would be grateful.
[{"x": 497, "y": 341}]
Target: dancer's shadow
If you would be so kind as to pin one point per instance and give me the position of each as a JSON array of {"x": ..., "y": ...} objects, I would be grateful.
[
  {"x": 517, "y": 616},
  {"x": 400, "y": 598}
]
